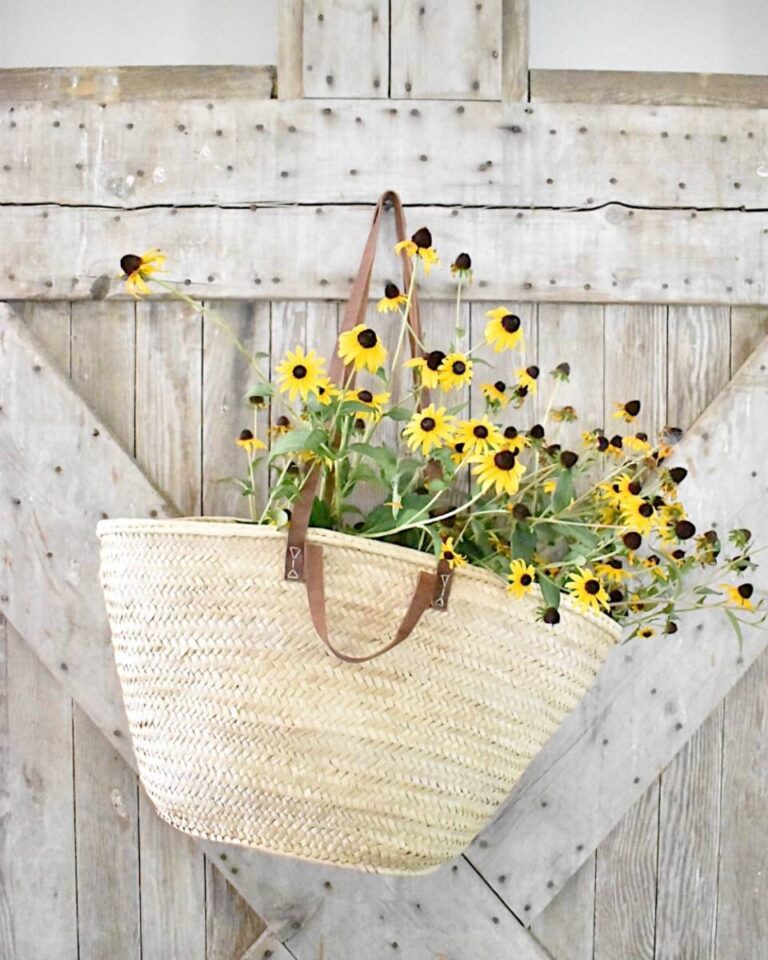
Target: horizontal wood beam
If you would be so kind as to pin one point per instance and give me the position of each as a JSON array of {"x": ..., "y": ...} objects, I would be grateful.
[
  {"x": 240, "y": 151},
  {"x": 636, "y": 87},
  {"x": 103, "y": 85},
  {"x": 651, "y": 695},
  {"x": 608, "y": 255},
  {"x": 60, "y": 471}
]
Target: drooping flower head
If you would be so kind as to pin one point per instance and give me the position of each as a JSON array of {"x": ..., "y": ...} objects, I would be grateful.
[
  {"x": 461, "y": 268},
  {"x": 627, "y": 411},
  {"x": 428, "y": 367},
  {"x": 420, "y": 245},
  {"x": 138, "y": 269},
  {"x": 495, "y": 394},
  {"x": 249, "y": 443},
  {"x": 392, "y": 299}
]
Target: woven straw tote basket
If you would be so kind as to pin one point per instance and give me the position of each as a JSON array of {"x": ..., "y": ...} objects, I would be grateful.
[{"x": 262, "y": 712}]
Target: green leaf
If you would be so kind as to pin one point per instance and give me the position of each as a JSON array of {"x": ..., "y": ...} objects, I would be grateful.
[
  {"x": 296, "y": 440},
  {"x": 456, "y": 408},
  {"x": 260, "y": 355},
  {"x": 564, "y": 491},
  {"x": 382, "y": 456},
  {"x": 735, "y": 623},
  {"x": 260, "y": 389},
  {"x": 549, "y": 590},
  {"x": 398, "y": 413},
  {"x": 321, "y": 515},
  {"x": 523, "y": 542}
]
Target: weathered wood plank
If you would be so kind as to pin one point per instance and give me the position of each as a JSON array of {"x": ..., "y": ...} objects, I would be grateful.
[
  {"x": 7, "y": 947},
  {"x": 103, "y": 350},
  {"x": 422, "y": 35},
  {"x": 232, "y": 928},
  {"x": 625, "y": 887},
  {"x": 107, "y": 847},
  {"x": 609, "y": 255},
  {"x": 290, "y": 42},
  {"x": 41, "y": 843},
  {"x": 245, "y": 151},
  {"x": 645, "y": 705},
  {"x": 742, "y": 921},
  {"x": 637, "y": 87},
  {"x": 749, "y": 326},
  {"x": 699, "y": 368},
  {"x": 346, "y": 48},
  {"x": 104, "y": 85},
  {"x": 566, "y": 928},
  {"x": 515, "y": 50},
  {"x": 283, "y": 891}
]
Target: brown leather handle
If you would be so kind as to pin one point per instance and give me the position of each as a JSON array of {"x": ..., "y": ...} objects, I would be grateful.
[
  {"x": 353, "y": 314},
  {"x": 431, "y": 591}
]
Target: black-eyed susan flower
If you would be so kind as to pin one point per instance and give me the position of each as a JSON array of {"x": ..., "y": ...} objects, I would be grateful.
[
  {"x": 637, "y": 443},
  {"x": 500, "y": 470},
  {"x": 708, "y": 548},
  {"x": 458, "y": 453},
  {"x": 627, "y": 411},
  {"x": 455, "y": 371},
  {"x": 526, "y": 379},
  {"x": 392, "y": 300},
  {"x": 549, "y": 615},
  {"x": 562, "y": 372},
  {"x": 478, "y": 436},
  {"x": 281, "y": 426},
  {"x": 639, "y": 514},
  {"x": 428, "y": 367},
  {"x": 495, "y": 394},
  {"x": 374, "y": 401},
  {"x": 587, "y": 590},
  {"x": 138, "y": 269},
  {"x": 514, "y": 440},
  {"x": 451, "y": 556},
  {"x": 645, "y": 633},
  {"x": 654, "y": 564},
  {"x": 249, "y": 443},
  {"x": 740, "y": 596},
  {"x": 429, "y": 429},
  {"x": 420, "y": 245},
  {"x": 327, "y": 391},
  {"x": 568, "y": 459},
  {"x": 361, "y": 348},
  {"x": 300, "y": 373},
  {"x": 612, "y": 571},
  {"x": 521, "y": 579},
  {"x": 461, "y": 268},
  {"x": 566, "y": 414},
  {"x": 504, "y": 330}
]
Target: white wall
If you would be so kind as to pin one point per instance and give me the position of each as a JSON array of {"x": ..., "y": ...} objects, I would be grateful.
[
  {"x": 67, "y": 33},
  {"x": 718, "y": 36},
  {"x": 703, "y": 36}
]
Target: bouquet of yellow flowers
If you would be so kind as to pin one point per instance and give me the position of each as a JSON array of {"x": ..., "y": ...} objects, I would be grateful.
[{"x": 603, "y": 523}]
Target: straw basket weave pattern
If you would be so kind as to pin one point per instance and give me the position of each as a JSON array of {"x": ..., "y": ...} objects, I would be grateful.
[{"x": 248, "y": 731}]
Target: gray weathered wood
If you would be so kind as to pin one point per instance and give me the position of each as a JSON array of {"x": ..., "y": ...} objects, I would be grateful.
[
  {"x": 286, "y": 893},
  {"x": 635, "y": 87},
  {"x": 232, "y": 928},
  {"x": 115, "y": 84},
  {"x": 515, "y": 50},
  {"x": 7, "y": 948},
  {"x": 245, "y": 151},
  {"x": 290, "y": 42},
  {"x": 41, "y": 842},
  {"x": 742, "y": 922},
  {"x": 346, "y": 49},
  {"x": 449, "y": 52},
  {"x": 566, "y": 928},
  {"x": 296, "y": 252},
  {"x": 622, "y": 735}
]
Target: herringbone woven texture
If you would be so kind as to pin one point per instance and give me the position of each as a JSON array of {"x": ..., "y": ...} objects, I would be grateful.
[{"x": 247, "y": 731}]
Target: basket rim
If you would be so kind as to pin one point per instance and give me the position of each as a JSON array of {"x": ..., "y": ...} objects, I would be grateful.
[{"x": 231, "y": 526}]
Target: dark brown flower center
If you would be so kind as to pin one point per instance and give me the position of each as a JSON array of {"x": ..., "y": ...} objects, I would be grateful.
[
  {"x": 434, "y": 359},
  {"x": 632, "y": 540},
  {"x": 463, "y": 261},
  {"x": 448, "y": 555},
  {"x": 391, "y": 291},
  {"x": 592, "y": 587},
  {"x": 525, "y": 580},
  {"x": 422, "y": 238},
  {"x": 459, "y": 447},
  {"x": 365, "y": 396},
  {"x": 283, "y": 422},
  {"x": 615, "y": 563},
  {"x": 299, "y": 371},
  {"x": 245, "y": 435},
  {"x": 504, "y": 460},
  {"x": 480, "y": 431},
  {"x": 511, "y": 323},
  {"x": 746, "y": 590},
  {"x": 645, "y": 510},
  {"x": 367, "y": 339},
  {"x": 458, "y": 367},
  {"x": 130, "y": 263},
  {"x": 510, "y": 432},
  {"x": 427, "y": 424},
  {"x": 500, "y": 386},
  {"x": 632, "y": 408},
  {"x": 533, "y": 372}
]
